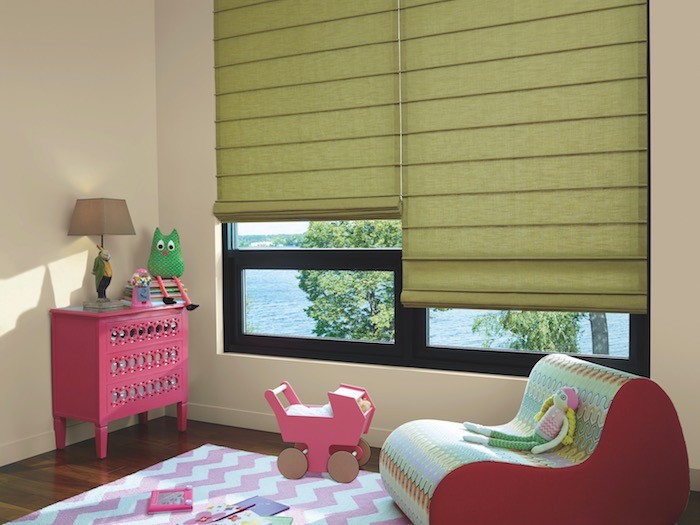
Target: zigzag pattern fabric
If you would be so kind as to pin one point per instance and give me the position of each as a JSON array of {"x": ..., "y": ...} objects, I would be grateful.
[
  {"x": 223, "y": 475},
  {"x": 419, "y": 454}
]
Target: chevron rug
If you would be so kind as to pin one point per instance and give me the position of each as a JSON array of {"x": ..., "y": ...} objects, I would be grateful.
[{"x": 223, "y": 475}]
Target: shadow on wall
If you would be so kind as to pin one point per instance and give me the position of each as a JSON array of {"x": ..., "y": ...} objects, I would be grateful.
[
  {"x": 63, "y": 282},
  {"x": 62, "y": 279},
  {"x": 25, "y": 347}
]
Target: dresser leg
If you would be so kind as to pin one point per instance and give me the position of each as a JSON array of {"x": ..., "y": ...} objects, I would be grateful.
[
  {"x": 182, "y": 416},
  {"x": 143, "y": 418},
  {"x": 59, "y": 429},
  {"x": 101, "y": 441}
]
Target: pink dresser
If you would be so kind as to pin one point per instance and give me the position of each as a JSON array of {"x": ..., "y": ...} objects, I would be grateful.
[{"x": 106, "y": 366}]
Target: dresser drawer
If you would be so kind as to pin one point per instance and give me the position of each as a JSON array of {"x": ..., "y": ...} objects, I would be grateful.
[
  {"x": 135, "y": 360},
  {"x": 125, "y": 331},
  {"x": 139, "y": 393}
]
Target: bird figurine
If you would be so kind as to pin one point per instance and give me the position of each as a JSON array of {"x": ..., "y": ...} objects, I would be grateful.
[
  {"x": 166, "y": 262},
  {"x": 102, "y": 271}
]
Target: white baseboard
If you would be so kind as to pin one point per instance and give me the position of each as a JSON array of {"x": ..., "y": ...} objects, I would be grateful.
[
  {"x": 260, "y": 421},
  {"x": 76, "y": 431}
]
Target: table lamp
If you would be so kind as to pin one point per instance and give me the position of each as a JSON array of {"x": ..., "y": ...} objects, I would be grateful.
[{"x": 101, "y": 217}]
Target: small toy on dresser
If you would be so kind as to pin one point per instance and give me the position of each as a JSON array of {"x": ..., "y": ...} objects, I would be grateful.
[{"x": 140, "y": 289}]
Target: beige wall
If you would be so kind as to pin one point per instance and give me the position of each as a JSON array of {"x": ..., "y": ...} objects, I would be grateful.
[
  {"x": 228, "y": 388},
  {"x": 675, "y": 216},
  {"x": 77, "y": 119}
]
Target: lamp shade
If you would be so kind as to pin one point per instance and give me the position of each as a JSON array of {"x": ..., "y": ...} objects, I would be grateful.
[{"x": 101, "y": 217}]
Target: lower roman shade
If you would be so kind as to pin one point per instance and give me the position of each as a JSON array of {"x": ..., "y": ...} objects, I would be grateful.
[
  {"x": 525, "y": 154},
  {"x": 307, "y": 110}
]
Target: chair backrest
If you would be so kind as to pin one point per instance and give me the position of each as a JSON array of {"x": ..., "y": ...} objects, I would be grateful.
[{"x": 596, "y": 386}]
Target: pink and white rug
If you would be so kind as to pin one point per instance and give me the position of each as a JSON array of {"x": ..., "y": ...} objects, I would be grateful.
[{"x": 223, "y": 475}]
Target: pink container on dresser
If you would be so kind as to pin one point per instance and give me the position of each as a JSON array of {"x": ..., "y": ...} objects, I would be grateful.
[{"x": 110, "y": 365}]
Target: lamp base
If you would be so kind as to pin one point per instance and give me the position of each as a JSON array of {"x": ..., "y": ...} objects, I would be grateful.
[{"x": 103, "y": 306}]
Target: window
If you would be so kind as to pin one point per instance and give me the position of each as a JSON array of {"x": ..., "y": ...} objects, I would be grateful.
[
  {"x": 510, "y": 141},
  {"x": 326, "y": 290},
  {"x": 331, "y": 304},
  {"x": 330, "y": 290}
]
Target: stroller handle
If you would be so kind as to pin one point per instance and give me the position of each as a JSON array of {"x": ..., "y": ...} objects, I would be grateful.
[
  {"x": 274, "y": 401},
  {"x": 281, "y": 388}
]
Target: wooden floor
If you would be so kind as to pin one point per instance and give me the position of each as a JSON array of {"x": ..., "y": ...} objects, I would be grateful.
[{"x": 36, "y": 482}]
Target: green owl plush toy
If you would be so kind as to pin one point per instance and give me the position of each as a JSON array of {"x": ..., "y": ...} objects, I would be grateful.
[{"x": 166, "y": 262}]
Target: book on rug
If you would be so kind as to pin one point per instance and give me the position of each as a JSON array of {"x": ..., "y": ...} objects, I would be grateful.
[
  {"x": 245, "y": 517},
  {"x": 249, "y": 517},
  {"x": 212, "y": 513},
  {"x": 241, "y": 517},
  {"x": 247, "y": 512},
  {"x": 263, "y": 506}
]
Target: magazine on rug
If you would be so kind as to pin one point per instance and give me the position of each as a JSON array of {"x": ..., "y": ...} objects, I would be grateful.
[
  {"x": 252, "y": 511},
  {"x": 263, "y": 506}
]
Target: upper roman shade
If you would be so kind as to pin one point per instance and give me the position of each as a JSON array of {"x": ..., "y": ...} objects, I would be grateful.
[
  {"x": 525, "y": 154},
  {"x": 307, "y": 109}
]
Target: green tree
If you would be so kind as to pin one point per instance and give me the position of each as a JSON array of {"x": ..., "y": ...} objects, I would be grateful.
[
  {"x": 536, "y": 331},
  {"x": 353, "y": 234},
  {"x": 351, "y": 304}
]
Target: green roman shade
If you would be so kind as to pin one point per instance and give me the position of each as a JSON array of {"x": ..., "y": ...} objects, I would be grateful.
[
  {"x": 307, "y": 109},
  {"x": 525, "y": 154}
]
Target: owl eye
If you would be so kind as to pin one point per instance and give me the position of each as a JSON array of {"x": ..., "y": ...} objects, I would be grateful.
[
  {"x": 160, "y": 244},
  {"x": 171, "y": 245}
]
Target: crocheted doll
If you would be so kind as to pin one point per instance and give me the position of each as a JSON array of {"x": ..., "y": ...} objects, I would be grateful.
[{"x": 556, "y": 422}]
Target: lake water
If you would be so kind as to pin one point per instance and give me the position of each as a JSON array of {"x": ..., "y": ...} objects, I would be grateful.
[{"x": 275, "y": 305}]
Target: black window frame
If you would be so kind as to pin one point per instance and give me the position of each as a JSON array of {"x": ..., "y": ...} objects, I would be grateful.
[{"x": 409, "y": 349}]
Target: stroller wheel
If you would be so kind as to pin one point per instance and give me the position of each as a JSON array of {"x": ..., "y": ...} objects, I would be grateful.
[
  {"x": 292, "y": 463},
  {"x": 366, "y": 452},
  {"x": 343, "y": 466}
]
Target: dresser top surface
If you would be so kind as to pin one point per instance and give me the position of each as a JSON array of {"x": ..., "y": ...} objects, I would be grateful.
[{"x": 78, "y": 311}]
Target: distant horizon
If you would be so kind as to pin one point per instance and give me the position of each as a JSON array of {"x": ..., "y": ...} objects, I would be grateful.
[{"x": 272, "y": 228}]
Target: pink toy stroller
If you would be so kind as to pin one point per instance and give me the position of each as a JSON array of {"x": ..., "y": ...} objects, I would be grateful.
[{"x": 326, "y": 438}]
